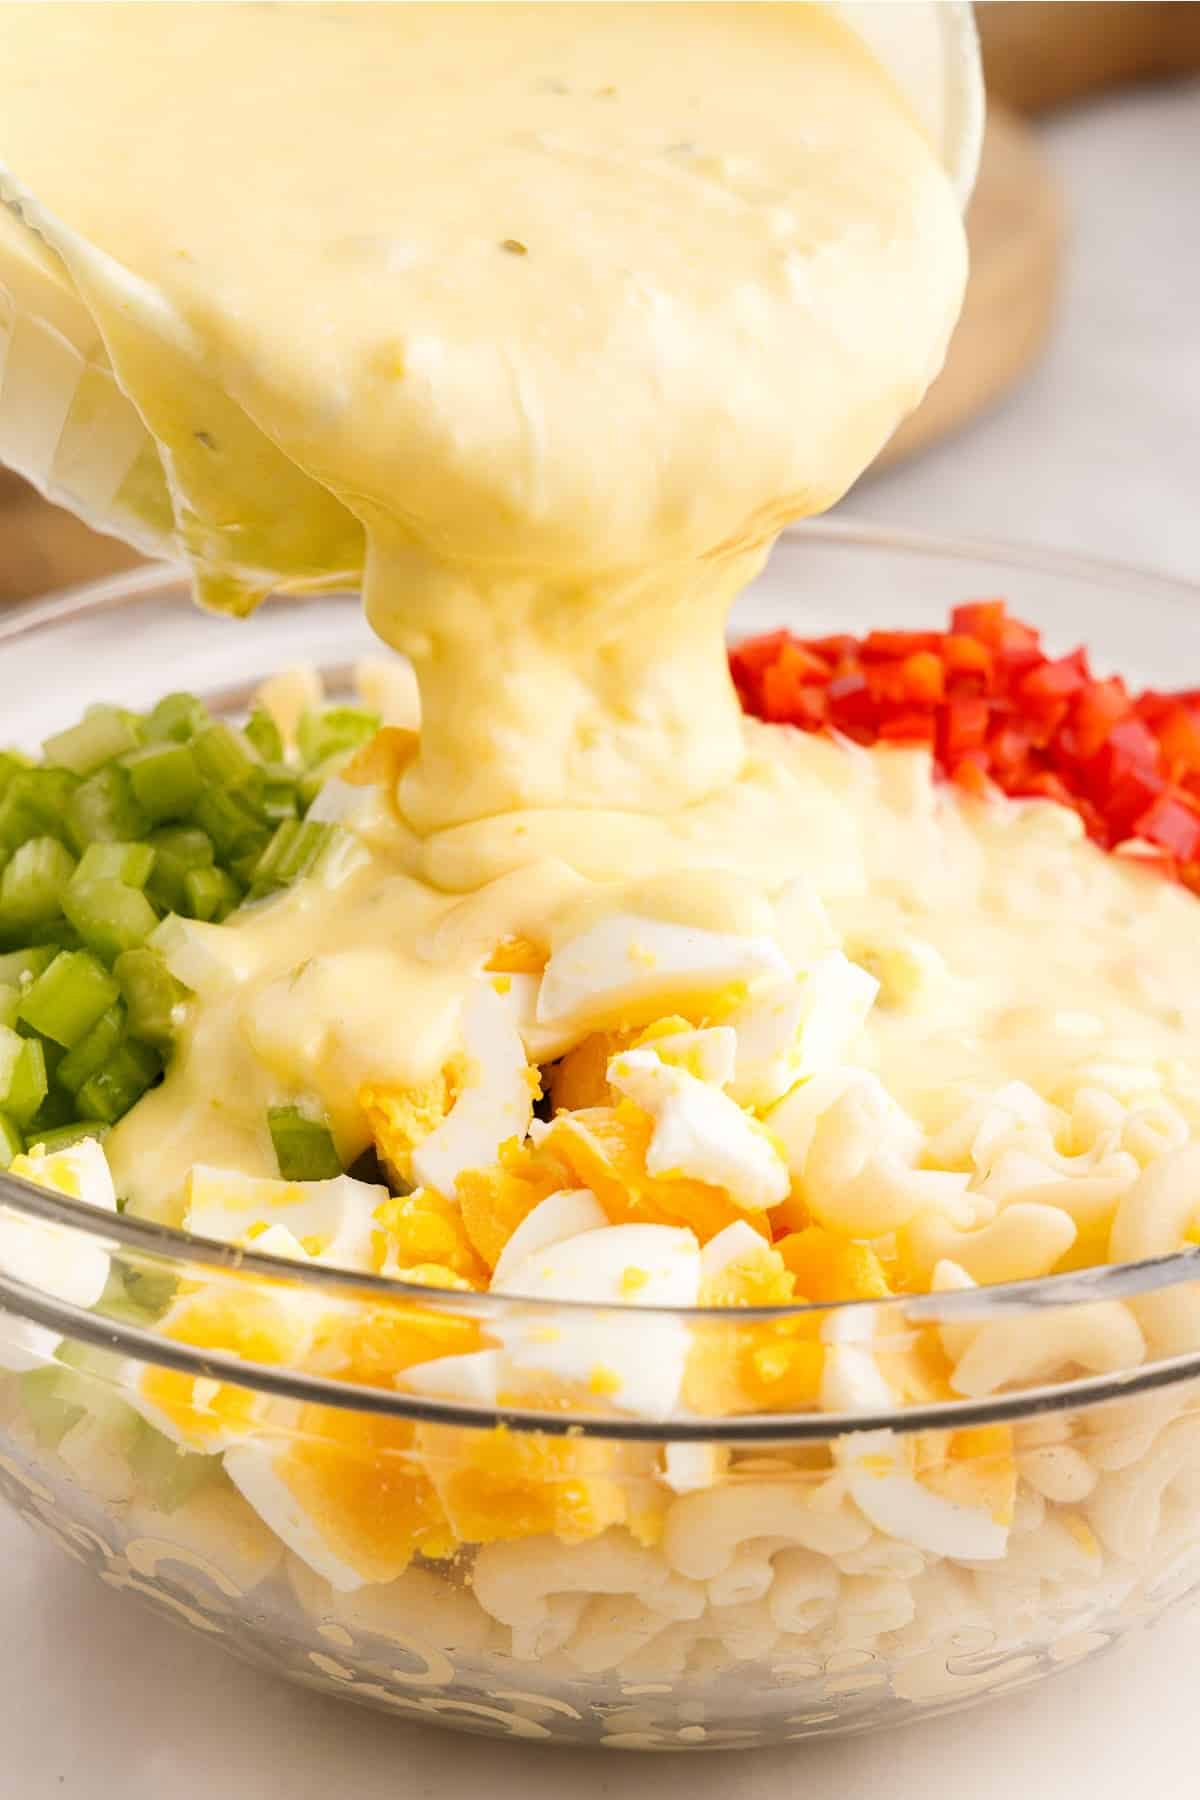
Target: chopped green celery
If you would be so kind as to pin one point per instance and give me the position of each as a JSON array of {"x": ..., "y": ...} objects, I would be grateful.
[
  {"x": 110, "y": 1093},
  {"x": 304, "y": 1147},
  {"x": 177, "y": 848},
  {"x": 49, "y": 1411},
  {"x": 165, "y": 779},
  {"x": 22, "y": 967},
  {"x": 178, "y": 717},
  {"x": 323, "y": 731},
  {"x": 56, "y": 1111},
  {"x": 234, "y": 827},
  {"x": 104, "y": 810},
  {"x": 68, "y": 997},
  {"x": 206, "y": 958},
  {"x": 32, "y": 885},
  {"x": 118, "y": 1304},
  {"x": 265, "y": 735},
  {"x": 293, "y": 851},
  {"x": 303, "y": 853},
  {"x": 210, "y": 894},
  {"x": 10, "y": 999},
  {"x": 36, "y": 803},
  {"x": 109, "y": 916},
  {"x": 55, "y": 934},
  {"x": 12, "y": 762},
  {"x": 130, "y": 863},
  {"x": 23, "y": 1079},
  {"x": 11, "y": 1141},
  {"x": 103, "y": 734},
  {"x": 152, "y": 996},
  {"x": 314, "y": 779},
  {"x": 150, "y": 1288},
  {"x": 64, "y": 1136},
  {"x": 278, "y": 801},
  {"x": 226, "y": 757},
  {"x": 91, "y": 1378},
  {"x": 167, "y": 1474},
  {"x": 92, "y": 1052},
  {"x": 264, "y": 879}
]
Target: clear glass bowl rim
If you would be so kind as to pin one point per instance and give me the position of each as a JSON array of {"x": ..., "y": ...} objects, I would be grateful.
[{"x": 166, "y": 1245}]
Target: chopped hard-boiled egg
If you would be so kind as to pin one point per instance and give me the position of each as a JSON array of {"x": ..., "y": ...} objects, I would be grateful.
[
  {"x": 423, "y": 1230},
  {"x": 344, "y": 1492},
  {"x": 699, "y": 1132},
  {"x": 605, "y": 1149},
  {"x": 790, "y": 1030},
  {"x": 288, "y": 695},
  {"x": 962, "y": 1508},
  {"x": 237, "y": 1317},
  {"x": 430, "y": 1134},
  {"x": 640, "y": 1371},
  {"x": 54, "y": 1259},
  {"x": 566, "y": 1214},
  {"x": 625, "y": 969},
  {"x": 474, "y": 1379},
  {"x": 333, "y": 1221},
  {"x": 743, "y": 1367}
]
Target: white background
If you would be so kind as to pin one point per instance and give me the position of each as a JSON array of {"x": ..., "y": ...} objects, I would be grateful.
[{"x": 1100, "y": 451}]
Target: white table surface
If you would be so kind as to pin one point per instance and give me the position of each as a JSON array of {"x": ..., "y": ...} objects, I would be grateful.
[{"x": 1099, "y": 451}]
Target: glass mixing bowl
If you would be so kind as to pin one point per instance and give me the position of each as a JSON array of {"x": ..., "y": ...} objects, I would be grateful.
[{"x": 580, "y": 1576}]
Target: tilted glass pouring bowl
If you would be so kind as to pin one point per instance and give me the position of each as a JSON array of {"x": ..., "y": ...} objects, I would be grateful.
[{"x": 575, "y": 1575}]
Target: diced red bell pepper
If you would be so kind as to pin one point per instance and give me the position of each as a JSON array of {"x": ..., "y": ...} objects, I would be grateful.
[
  {"x": 982, "y": 619},
  {"x": 1053, "y": 682},
  {"x": 997, "y": 712},
  {"x": 908, "y": 728},
  {"x": 1173, "y": 823},
  {"x": 1178, "y": 735},
  {"x": 851, "y": 703},
  {"x": 963, "y": 727},
  {"x": 899, "y": 643},
  {"x": 924, "y": 677}
]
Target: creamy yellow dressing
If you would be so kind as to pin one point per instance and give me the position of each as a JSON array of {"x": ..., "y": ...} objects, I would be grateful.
[{"x": 543, "y": 320}]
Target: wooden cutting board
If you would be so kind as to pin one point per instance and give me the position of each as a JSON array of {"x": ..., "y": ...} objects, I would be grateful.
[
  {"x": 1015, "y": 230},
  {"x": 1015, "y": 233}
]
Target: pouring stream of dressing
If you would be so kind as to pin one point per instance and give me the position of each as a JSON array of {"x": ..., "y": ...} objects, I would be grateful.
[
  {"x": 560, "y": 312},
  {"x": 543, "y": 319}
]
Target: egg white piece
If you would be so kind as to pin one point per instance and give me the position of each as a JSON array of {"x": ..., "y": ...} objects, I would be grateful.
[
  {"x": 53, "y": 1259},
  {"x": 519, "y": 996},
  {"x": 497, "y": 1101},
  {"x": 639, "y": 1369},
  {"x": 900, "y": 1506},
  {"x": 474, "y": 1379},
  {"x": 790, "y": 1030},
  {"x": 852, "y": 1380},
  {"x": 567, "y": 1214},
  {"x": 837, "y": 996},
  {"x": 767, "y": 1026},
  {"x": 336, "y": 1215},
  {"x": 254, "y": 1470},
  {"x": 629, "y": 964},
  {"x": 688, "y": 1468},
  {"x": 709, "y": 1052},
  {"x": 734, "y": 1244},
  {"x": 699, "y": 1131}
]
